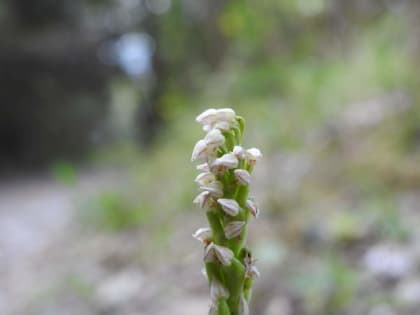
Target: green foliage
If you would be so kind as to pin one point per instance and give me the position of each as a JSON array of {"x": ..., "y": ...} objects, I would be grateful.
[
  {"x": 64, "y": 172},
  {"x": 113, "y": 212}
]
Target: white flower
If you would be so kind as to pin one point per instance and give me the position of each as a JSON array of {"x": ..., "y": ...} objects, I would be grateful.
[
  {"x": 214, "y": 138},
  {"x": 251, "y": 271},
  {"x": 242, "y": 176},
  {"x": 253, "y": 155},
  {"x": 214, "y": 188},
  {"x": 213, "y": 309},
  {"x": 203, "y": 235},
  {"x": 220, "y": 125},
  {"x": 217, "y": 119},
  {"x": 233, "y": 229},
  {"x": 205, "y": 178},
  {"x": 227, "y": 161},
  {"x": 204, "y": 200},
  {"x": 201, "y": 150},
  {"x": 226, "y": 114},
  {"x": 203, "y": 167},
  {"x": 239, "y": 152},
  {"x": 207, "y": 117},
  {"x": 253, "y": 208},
  {"x": 219, "y": 253},
  {"x": 229, "y": 206},
  {"x": 243, "y": 308},
  {"x": 217, "y": 291}
]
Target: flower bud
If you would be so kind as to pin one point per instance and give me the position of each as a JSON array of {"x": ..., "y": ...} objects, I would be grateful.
[
  {"x": 201, "y": 150},
  {"x": 226, "y": 161},
  {"x": 251, "y": 271},
  {"x": 253, "y": 155},
  {"x": 233, "y": 229},
  {"x": 242, "y": 176},
  {"x": 207, "y": 117},
  {"x": 253, "y": 208},
  {"x": 243, "y": 308},
  {"x": 239, "y": 152},
  {"x": 219, "y": 253},
  {"x": 214, "y": 138},
  {"x": 203, "y": 235},
  {"x": 204, "y": 200},
  {"x": 222, "y": 125},
  {"x": 226, "y": 114},
  {"x": 217, "y": 291},
  {"x": 203, "y": 167},
  {"x": 205, "y": 178},
  {"x": 217, "y": 119},
  {"x": 229, "y": 206},
  {"x": 214, "y": 188}
]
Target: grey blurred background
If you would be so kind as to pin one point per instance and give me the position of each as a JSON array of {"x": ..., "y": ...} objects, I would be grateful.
[{"x": 97, "y": 107}]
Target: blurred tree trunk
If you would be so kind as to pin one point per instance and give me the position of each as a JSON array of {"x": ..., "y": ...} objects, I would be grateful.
[{"x": 54, "y": 90}]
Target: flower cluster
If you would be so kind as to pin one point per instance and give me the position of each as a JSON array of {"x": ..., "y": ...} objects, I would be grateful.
[{"x": 224, "y": 184}]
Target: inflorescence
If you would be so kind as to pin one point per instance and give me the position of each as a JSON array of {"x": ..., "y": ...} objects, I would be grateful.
[{"x": 224, "y": 184}]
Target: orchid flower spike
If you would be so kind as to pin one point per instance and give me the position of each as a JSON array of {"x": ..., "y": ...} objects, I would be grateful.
[{"x": 224, "y": 181}]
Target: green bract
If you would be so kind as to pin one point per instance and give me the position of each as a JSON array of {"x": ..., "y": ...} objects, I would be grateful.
[{"x": 224, "y": 184}]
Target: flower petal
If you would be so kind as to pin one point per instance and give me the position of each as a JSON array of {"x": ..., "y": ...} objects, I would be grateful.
[
  {"x": 253, "y": 208},
  {"x": 205, "y": 178},
  {"x": 217, "y": 291},
  {"x": 203, "y": 235},
  {"x": 242, "y": 176},
  {"x": 204, "y": 200},
  {"x": 229, "y": 206},
  {"x": 227, "y": 161},
  {"x": 214, "y": 188},
  {"x": 214, "y": 138},
  {"x": 233, "y": 229}
]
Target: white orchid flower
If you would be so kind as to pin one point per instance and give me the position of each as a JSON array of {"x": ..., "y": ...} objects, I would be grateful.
[{"x": 229, "y": 206}]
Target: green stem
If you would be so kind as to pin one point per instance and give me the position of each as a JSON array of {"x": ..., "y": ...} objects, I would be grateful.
[
  {"x": 216, "y": 227},
  {"x": 223, "y": 308},
  {"x": 234, "y": 277}
]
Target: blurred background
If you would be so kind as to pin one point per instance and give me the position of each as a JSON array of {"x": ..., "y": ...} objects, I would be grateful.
[{"x": 98, "y": 100}]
